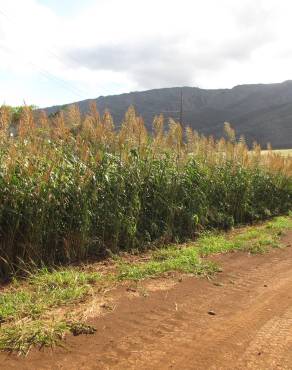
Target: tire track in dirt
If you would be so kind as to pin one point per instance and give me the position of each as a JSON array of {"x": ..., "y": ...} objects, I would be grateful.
[
  {"x": 171, "y": 329},
  {"x": 276, "y": 334},
  {"x": 211, "y": 341}
]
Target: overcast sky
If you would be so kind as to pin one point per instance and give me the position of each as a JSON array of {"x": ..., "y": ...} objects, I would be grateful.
[{"x": 59, "y": 51}]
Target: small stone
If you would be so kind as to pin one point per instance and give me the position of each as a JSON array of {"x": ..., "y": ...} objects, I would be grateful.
[
  {"x": 106, "y": 306},
  {"x": 130, "y": 289},
  {"x": 265, "y": 285},
  {"x": 212, "y": 313}
]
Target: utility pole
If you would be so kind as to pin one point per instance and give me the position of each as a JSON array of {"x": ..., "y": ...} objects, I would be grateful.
[
  {"x": 179, "y": 112},
  {"x": 181, "y": 108}
]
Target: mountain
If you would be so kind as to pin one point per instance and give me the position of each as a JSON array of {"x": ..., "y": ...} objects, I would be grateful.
[{"x": 261, "y": 112}]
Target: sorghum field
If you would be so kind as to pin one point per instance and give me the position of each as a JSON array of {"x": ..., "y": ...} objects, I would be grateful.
[{"x": 74, "y": 187}]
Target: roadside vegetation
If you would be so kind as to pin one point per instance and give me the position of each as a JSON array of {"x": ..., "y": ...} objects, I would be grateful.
[
  {"x": 73, "y": 186},
  {"x": 41, "y": 309}
]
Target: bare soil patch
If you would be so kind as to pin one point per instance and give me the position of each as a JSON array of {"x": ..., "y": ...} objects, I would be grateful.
[{"x": 165, "y": 323}]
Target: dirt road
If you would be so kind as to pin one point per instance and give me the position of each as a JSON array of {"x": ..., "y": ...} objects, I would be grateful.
[{"x": 171, "y": 328}]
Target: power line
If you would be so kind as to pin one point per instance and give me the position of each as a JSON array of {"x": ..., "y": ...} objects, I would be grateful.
[
  {"x": 179, "y": 112},
  {"x": 46, "y": 73}
]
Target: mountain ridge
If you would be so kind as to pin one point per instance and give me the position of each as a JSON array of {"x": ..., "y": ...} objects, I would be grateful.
[{"x": 260, "y": 112}]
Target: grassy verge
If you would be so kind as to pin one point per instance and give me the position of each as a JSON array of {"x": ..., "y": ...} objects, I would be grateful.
[
  {"x": 254, "y": 239},
  {"x": 43, "y": 291},
  {"x": 25, "y": 307},
  {"x": 188, "y": 258},
  {"x": 37, "y": 311}
]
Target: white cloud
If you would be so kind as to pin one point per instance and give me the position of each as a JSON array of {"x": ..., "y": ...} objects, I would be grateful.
[{"x": 114, "y": 46}]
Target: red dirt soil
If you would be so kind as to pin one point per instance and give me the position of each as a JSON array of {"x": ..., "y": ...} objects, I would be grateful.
[{"x": 172, "y": 328}]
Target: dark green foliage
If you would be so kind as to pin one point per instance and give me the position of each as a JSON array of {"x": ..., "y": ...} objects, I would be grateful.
[
  {"x": 59, "y": 212},
  {"x": 240, "y": 195}
]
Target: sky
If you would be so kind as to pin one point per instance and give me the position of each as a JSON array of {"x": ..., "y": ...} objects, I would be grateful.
[{"x": 60, "y": 51}]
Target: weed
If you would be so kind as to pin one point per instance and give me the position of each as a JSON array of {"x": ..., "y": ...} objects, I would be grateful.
[
  {"x": 21, "y": 336},
  {"x": 78, "y": 328},
  {"x": 170, "y": 259},
  {"x": 45, "y": 289},
  {"x": 254, "y": 239}
]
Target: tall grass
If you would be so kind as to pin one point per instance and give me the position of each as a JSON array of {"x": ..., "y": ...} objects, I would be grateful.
[{"x": 73, "y": 186}]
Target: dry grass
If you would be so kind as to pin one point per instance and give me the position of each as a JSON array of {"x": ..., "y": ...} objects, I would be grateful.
[
  {"x": 283, "y": 152},
  {"x": 73, "y": 186},
  {"x": 93, "y": 134}
]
